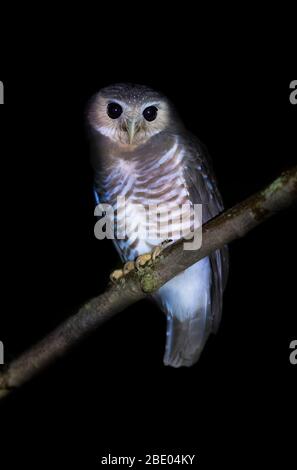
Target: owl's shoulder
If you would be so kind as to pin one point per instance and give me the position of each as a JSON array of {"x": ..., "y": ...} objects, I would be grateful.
[
  {"x": 199, "y": 174},
  {"x": 195, "y": 151}
]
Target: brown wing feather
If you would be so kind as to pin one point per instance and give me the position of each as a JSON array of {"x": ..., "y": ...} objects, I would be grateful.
[{"x": 203, "y": 189}]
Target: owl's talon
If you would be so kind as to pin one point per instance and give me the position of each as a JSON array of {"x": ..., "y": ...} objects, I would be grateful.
[
  {"x": 128, "y": 267},
  {"x": 158, "y": 250},
  {"x": 116, "y": 275},
  {"x": 142, "y": 260},
  {"x": 139, "y": 263}
]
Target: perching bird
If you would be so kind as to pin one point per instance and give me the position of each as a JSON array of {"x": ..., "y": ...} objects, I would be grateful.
[{"x": 141, "y": 150}]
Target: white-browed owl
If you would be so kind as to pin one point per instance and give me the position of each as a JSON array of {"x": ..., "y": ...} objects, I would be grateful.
[{"x": 141, "y": 150}]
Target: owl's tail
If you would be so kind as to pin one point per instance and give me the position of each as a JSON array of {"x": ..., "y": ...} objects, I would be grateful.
[
  {"x": 185, "y": 339},
  {"x": 187, "y": 302},
  {"x": 192, "y": 302}
]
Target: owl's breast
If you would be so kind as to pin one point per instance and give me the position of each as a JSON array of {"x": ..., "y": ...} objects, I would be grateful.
[{"x": 150, "y": 200}]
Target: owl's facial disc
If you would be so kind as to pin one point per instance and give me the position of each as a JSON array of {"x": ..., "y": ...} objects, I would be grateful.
[{"x": 129, "y": 120}]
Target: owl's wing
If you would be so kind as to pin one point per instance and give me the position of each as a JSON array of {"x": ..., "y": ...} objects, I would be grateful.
[
  {"x": 202, "y": 186},
  {"x": 192, "y": 300}
]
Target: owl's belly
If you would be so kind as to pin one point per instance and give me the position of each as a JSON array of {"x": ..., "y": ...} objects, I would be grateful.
[{"x": 147, "y": 225}]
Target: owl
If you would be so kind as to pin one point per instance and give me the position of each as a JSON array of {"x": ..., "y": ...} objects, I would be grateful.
[{"x": 141, "y": 151}]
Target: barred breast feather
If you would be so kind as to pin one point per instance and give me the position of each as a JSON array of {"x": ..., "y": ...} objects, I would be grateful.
[{"x": 146, "y": 184}]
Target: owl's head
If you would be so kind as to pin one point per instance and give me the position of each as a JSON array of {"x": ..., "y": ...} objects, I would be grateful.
[{"x": 129, "y": 114}]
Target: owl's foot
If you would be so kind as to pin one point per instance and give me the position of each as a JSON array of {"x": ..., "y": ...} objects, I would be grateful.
[
  {"x": 140, "y": 263},
  {"x": 128, "y": 267},
  {"x": 148, "y": 258},
  {"x": 142, "y": 260},
  {"x": 118, "y": 274},
  {"x": 158, "y": 250}
]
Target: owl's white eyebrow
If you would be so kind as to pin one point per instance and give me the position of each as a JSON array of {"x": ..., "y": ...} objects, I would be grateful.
[
  {"x": 151, "y": 103},
  {"x": 122, "y": 103}
]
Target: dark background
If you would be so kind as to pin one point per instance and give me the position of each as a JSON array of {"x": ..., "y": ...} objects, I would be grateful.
[{"x": 112, "y": 394}]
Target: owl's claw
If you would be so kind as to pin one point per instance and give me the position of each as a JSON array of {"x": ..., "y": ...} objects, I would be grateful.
[
  {"x": 140, "y": 262},
  {"x": 129, "y": 266},
  {"x": 158, "y": 250},
  {"x": 118, "y": 274}
]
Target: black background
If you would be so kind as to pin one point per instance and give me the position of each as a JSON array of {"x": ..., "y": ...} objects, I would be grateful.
[{"x": 112, "y": 394}]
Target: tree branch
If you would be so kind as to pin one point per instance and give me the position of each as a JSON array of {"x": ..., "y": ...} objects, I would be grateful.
[{"x": 223, "y": 229}]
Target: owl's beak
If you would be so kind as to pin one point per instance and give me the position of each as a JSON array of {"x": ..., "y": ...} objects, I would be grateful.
[{"x": 131, "y": 126}]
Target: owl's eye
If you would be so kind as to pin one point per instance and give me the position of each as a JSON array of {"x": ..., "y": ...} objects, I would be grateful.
[
  {"x": 114, "y": 110},
  {"x": 150, "y": 113}
]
